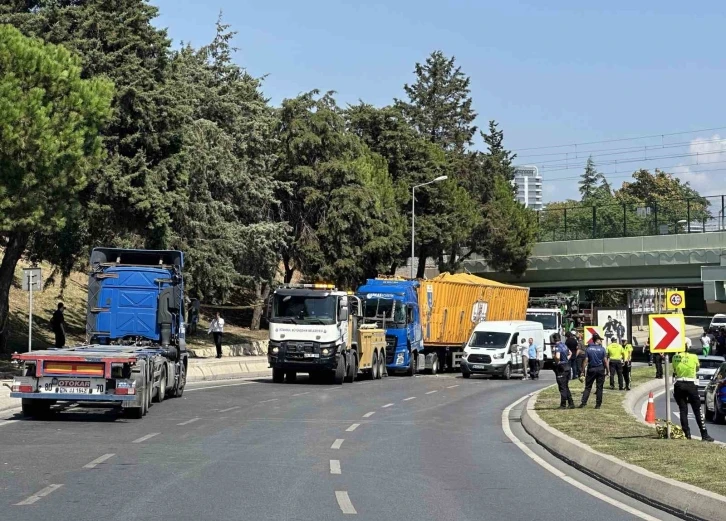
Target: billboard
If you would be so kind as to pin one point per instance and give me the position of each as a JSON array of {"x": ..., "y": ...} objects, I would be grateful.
[{"x": 615, "y": 323}]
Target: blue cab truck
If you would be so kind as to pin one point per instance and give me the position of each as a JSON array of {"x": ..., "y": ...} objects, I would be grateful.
[
  {"x": 135, "y": 350},
  {"x": 393, "y": 306}
]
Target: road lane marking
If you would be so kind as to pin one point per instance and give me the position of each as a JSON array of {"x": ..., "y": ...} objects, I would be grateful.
[
  {"x": 572, "y": 481},
  {"x": 147, "y": 437},
  {"x": 352, "y": 427},
  {"x": 335, "y": 466},
  {"x": 98, "y": 461},
  {"x": 452, "y": 386},
  {"x": 40, "y": 494},
  {"x": 189, "y": 421},
  {"x": 369, "y": 414},
  {"x": 267, "y": 401},
  {"x": 337, "y": 443},
  {"x": 387, "y": 405},
  {"x": 409, "y": 398},
  {"x": 344, "y": 502},
  {"x": 216, "y": 386},
  {"x": 300, "y": 394},
  {"x": 229, "y": 409},
  {"x": 432, "y": 392}
]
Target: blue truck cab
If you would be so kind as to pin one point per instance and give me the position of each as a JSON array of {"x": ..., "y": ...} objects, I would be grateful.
[{"x": 393, "y": 305}]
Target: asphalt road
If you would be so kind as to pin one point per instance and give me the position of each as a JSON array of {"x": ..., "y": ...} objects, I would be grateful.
[{"x": 424, "y": 448}]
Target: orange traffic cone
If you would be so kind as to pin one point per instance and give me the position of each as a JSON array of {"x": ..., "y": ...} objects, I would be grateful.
[{"x": 650, "y": 411}]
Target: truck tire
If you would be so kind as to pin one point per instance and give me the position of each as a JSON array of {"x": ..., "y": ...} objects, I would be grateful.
[
  {"x": 374, "y": 367},
  {"x": 278, "y": 376},
  {"x": 434, "y": 365},
  {"x": 35, "y": 408},
  {"x": 507, "y": 374},
  {"x": 291, "y": 377},
  {"x": 161, "y": 393},
  {"x": 382, "y": 365},
  {"x": 352, "y": 368},
  {"x": 147, "y": 401},
  {"x": 412, "y": 364},
  {"x": 339, "y": 374}
]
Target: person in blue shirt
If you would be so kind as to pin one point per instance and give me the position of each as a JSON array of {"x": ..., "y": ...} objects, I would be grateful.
[
  {"x": 562, "y": 370},
  {"x": 596, "y": 369},
  {"x": 533, "y": 362}
]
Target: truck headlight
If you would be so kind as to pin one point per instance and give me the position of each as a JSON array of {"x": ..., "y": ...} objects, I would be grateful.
[
  {"x": 325, "y": 351},
  {"x": 275, "y": 350}
]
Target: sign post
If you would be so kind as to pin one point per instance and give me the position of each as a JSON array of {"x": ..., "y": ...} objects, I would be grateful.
[
  {"x": 667, "y": 335},
  {"x": 32, "y": 281}
]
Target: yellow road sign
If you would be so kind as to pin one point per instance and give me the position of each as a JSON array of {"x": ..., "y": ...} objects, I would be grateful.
[
  {"x": 675, "y": 299},
  {"x": 667, "y": 333}
]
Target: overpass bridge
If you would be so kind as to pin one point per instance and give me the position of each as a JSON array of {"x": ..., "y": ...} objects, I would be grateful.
[{"x": 677, "y": 260}]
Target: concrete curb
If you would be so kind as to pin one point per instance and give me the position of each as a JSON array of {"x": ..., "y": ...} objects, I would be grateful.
[
  {"x": 256, "y": 348},
  {"x": 225, "y": 369},
  {"x": 677, "y": 498}
]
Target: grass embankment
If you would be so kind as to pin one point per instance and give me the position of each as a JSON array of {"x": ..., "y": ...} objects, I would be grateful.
[
  {"x": 611, "y": 430},
  {"x": 74, "y": 298}
]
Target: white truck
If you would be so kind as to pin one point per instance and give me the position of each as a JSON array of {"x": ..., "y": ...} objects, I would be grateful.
[{"x": 551, "y": 320}]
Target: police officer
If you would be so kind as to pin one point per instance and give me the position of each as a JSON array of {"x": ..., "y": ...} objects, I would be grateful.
[
  {"x": 627, "y": 362},
  {"x": 615, "y": 355},
  {"x": 596, "y": 369},
  {"x": 685, "y": 367},
  {"x": 562, "y": 371}
]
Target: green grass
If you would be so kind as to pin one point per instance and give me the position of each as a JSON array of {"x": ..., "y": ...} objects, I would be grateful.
[{"x": 613, "y": 431}]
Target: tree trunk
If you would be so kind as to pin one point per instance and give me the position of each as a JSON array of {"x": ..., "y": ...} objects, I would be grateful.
[
  {"x": 421, "y": 269},
  {"x": 393, "y": 269},
  {"x": 262, "y": 293},
  {"x": 289, "y": 271},
  {"x": 17, "y": 242}
]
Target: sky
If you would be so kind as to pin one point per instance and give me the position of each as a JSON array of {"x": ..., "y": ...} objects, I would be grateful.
[{"x": 563, "y": 80}]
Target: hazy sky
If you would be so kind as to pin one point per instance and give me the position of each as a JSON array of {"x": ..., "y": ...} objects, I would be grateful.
[{"x": 550, "y": 72}]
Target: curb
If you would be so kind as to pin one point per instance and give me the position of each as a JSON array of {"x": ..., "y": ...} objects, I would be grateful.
[
  {"x": 681, "y": 499},
  {"x": 225, "y": 370}
]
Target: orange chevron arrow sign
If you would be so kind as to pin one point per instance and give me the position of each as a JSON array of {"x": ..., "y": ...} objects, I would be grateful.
[{"x": 667, "y": 333}]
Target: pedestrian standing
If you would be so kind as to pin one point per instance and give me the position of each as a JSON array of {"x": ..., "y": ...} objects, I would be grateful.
[
  {"x": 216, "y": 327},
  {"x": 627, "y": 362},
  {"x": 532, "y": 357},
  {"x": 685, "y": 391},
  {"x": 595, "y": 370},
  {"x": 572, "y": 344},
  {"x": 58, "y": 325},
  {"x": 658, "y": 361},
  {"x": 705, "y": 343},
  {"x": 524, "y": 353},
  {"x": 615, "y": 355},
  {"x": 562, "y": 370}
]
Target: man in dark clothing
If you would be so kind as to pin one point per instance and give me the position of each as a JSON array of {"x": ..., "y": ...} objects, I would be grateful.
[
  {"x": 596, "y": 369},
  {"x": 562, "y": 372},
  {"x": 58, "y": 325},
  {"x": 658, "y": 361},
  {"x": 572, "y": 344}
]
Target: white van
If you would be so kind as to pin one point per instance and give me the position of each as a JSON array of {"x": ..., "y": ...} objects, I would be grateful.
[{"x": 493, "y": 348}]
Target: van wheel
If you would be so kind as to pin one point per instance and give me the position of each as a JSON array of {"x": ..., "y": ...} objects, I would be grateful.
[
  {"x": 507, "y": 374},
  {"x": 374, "y": 367}
]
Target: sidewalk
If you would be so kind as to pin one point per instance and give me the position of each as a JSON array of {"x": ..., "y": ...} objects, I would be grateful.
[{"x": 199, "y": 370}]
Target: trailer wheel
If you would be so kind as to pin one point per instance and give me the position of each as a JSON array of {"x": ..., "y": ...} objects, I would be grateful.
[
  {"x": 278, "y": 376},
  {"x": 352, "y": 368},
  {"x": 161, "y": 393},
  {"x": 374, "y": 374},
  {"x": 35, "y": 408},
  {"x": 339, "y": 375},
  {"x": 435, "y": 365}
]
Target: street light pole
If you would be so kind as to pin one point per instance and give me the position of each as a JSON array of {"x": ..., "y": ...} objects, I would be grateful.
[{"x": 413, "y": 216}]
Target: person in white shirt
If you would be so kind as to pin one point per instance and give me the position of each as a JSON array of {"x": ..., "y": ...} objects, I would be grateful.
[
  {"x": 705, "y": 344},
  {"x": 540, "y": 360},
  {"x": 216, "y": 327},
  {"x": 524, "y": 353}
]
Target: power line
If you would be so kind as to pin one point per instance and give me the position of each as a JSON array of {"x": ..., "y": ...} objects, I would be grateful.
[
  {"x": 561, "y": 168},
  {"x": 652, "y": 136},
  {"x": 620, "y": 175}
]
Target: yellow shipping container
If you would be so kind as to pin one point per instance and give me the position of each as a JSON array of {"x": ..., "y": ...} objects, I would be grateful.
[{"x": 451, "y": 305}]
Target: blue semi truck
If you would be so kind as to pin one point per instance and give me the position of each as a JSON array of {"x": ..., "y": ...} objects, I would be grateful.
[{"x": 135, "y": 350}]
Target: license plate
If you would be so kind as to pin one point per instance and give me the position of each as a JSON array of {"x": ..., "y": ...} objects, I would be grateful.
[
  {"x": 311, "y": 355},
  {"x": 72, "y": 385},
  {"x": 478, "y": 366}
]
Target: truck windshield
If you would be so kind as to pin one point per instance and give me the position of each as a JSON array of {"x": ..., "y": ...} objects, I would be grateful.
[
  {"x": 379, "y": 308},
  {"x": 490, "y": 339},
  {"x": 300, "y": 309},
  {"x": 548, "y": 320}
]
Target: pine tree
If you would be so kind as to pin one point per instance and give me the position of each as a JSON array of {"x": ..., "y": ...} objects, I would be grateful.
[{"x": 589, "y": 180}]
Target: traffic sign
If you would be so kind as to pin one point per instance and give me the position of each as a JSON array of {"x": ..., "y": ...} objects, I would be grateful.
[
  {"x": 591, "y": 331},
  {"x": 675, "y": 299},
  {"x": 32, "y": 278},
  {"x": 667, "y": 333}
]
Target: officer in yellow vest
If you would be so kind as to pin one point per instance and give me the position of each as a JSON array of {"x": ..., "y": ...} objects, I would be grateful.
[
  {"x": 615, "y": 355},
  {"x": 685, "y": 391},
  {"x": 627, "y": 361}
]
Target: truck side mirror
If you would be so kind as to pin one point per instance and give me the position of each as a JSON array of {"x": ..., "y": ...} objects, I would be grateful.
[{"x": 343, "y": 314}]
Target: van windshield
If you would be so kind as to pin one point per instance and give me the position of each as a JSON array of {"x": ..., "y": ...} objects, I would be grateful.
[
  {"x": 548, "y": 320},
  {"x": 489, "y": 339}
]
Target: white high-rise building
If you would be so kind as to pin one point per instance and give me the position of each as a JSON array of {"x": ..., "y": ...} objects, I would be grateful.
[{"x": 529, "y": 186}]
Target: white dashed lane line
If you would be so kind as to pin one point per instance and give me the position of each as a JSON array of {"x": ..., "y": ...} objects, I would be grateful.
[
  {"x": 98, "y": 461},
  {"x": 335, "y": 466},
  {"x": 387, "y": 405},
  {"x": 369, "y": 414},
  {"x": 217, "y": 386},
  {"x": 352, "y": 427},
  {"x": 409, "y": 398},
  {"x": 452, "y": 386},
  {"x": 189, "y": 421},
  {"x": 147, "y": 437},
  {"x": 344, "y": 502},
  {"x": 337, "y": 443},
  {"x": 432, "y": 392},
  {"x": 42, "y": 493},
  {"x": 267, "y": 401},
  {"x": 229, "y": 409},
  {"x": 300, "y": 394}
]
